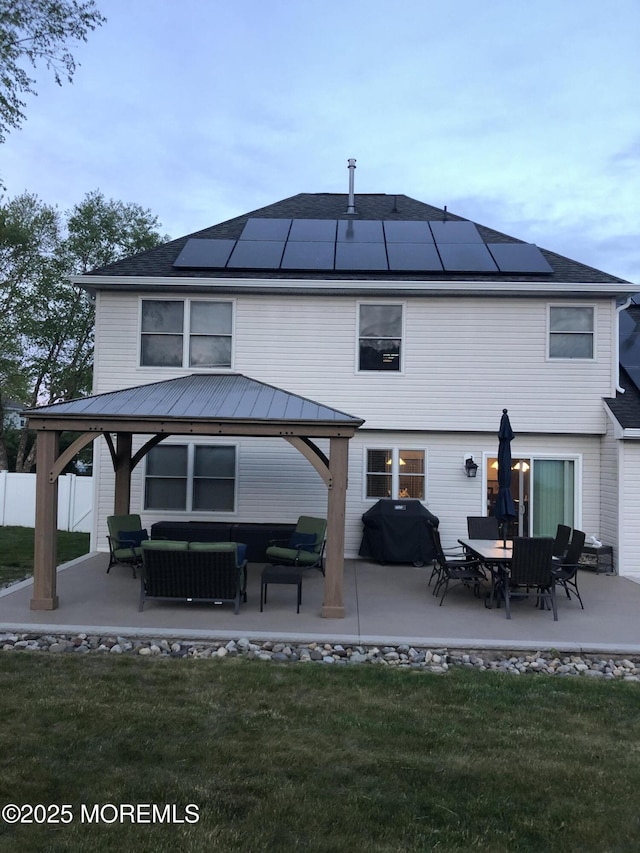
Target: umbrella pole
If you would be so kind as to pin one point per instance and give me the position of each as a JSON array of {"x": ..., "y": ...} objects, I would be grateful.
[{"x": 504, "y": 534}]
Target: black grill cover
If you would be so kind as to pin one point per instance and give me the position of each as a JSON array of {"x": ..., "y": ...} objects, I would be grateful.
[{"x": 398, "y": 531}]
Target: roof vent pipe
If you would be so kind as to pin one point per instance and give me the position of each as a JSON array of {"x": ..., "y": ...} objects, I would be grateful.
[{"x": 352, "y": 168}]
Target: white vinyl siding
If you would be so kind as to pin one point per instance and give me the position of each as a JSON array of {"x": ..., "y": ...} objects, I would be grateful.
[{"x": 464, "y": 359}]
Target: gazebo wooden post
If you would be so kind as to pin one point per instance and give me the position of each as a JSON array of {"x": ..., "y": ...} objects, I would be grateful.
[
  {"x": 45, "y": 545},
  {"x": 333, "y": 605},
  {"x": 122, "y": 496}
]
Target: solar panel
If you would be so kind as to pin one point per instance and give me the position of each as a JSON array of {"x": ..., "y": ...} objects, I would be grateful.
[
  {"x": 256, "y": 254},
  {"x": 466, "y": 257},
  {"x": 360, "y": 231},
  {"x": 455, "y": 232},
  {"x": 396, "y": 231},
  {"x": 266, "y": 229},
  {"x": 413, "y": 256},
  {"x": 310, "y": 230},
  {"x": 308, "y": 256},
  {"x": 519, "y": 257},
  {"x": 361, "y": 256},
  {"x": 204, "y": 253}
]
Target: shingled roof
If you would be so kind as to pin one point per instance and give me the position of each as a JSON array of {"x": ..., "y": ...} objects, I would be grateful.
[
  {"x": 625, "y": 407},
  {"x": 158, "y": 262}
]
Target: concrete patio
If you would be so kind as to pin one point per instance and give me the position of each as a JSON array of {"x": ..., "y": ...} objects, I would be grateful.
[{"x": 384, "y": 604}]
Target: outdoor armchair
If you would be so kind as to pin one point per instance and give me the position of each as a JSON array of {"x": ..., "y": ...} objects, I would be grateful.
[
  {"x": 125, "y": 537},
  {"x": 566, "y": 571},
  {"x": 304, "y": 547}
]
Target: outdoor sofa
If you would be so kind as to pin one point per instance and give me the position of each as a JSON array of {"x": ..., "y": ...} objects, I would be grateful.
[{"x": 193, "y": 571}]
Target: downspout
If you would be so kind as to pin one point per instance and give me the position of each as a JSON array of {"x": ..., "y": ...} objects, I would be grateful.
[{"x": 619, "y": 309}]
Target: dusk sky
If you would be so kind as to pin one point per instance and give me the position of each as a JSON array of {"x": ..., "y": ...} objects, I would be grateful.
[{"x": 524, "y": 117}]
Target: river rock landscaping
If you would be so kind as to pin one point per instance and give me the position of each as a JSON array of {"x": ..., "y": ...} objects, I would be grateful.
[{"x": 437, "y": 660}]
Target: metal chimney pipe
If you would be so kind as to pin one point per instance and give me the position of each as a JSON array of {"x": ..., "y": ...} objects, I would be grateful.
[{"x": 352, "y": 168}]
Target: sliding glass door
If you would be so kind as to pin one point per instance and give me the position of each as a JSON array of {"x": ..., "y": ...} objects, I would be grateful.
[
  {"x": 553, "y": 495},
  {"x": 543, "y": 490}
]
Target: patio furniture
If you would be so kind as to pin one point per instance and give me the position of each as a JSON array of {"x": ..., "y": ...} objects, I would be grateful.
[
  {"x": 467, "y": 571},
  {"x": 398, "y": 531},
  {"x": 213, "y": 572},
  {"x": 566, "y": 574},
  {"x": 126, "y": 535},
  {"x": 493, "y": 556},
  {"x": 483, "y": 527},
  {"x": 280, "y": 575},
  {"x": 304, "y": 547},
  {"x": 256, "y": 536},
  {"x": 561, "y": 541},
  {"x": 531, "y": 572}
]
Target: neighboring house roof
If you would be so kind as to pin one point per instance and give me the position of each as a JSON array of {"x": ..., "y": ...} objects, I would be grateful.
[
  {"x": 199, "y": 398},
  {"x": 158, "y": 263},
  {"x": 625, "y": 407}
]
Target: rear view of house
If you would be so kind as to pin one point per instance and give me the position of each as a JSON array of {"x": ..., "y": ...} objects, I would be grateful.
[{"x": 408, "y": 326}]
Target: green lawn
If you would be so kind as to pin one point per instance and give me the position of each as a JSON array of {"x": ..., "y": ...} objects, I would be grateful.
[
  {"x": 317, "y": 758},
  {"x": 16, "y": 551}
]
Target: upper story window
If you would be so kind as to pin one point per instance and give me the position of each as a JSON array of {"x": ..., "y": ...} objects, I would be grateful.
[
  {"x": 571, "y": 331},
  {"x": 186, "y": 333},
  {"x": 395, "y": 473},
  {"x": 191, "y": 478},
  {"x": 380, "y": 337}
]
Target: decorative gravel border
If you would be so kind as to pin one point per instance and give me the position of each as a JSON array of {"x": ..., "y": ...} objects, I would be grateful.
[{"x": 436, "y": 660}]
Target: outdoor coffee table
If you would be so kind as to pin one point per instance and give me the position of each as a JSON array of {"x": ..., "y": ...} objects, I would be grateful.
[{"x": 280, "y": 575}]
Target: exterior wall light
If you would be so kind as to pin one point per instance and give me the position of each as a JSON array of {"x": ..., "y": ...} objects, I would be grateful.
[{"x": 470, "y": 467}]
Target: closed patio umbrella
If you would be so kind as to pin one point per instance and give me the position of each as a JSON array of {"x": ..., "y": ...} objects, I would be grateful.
[{"x": 505, "y": 508}]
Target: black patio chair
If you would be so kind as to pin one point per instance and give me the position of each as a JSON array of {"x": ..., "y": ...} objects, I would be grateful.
[
  {"x": 561, "y": 542},
  {"x": 483, "y": 527},
  {"x": 566, "y": 572},
  {"x": 466, "y": 570},
  {"x": 531, "y": 572}
]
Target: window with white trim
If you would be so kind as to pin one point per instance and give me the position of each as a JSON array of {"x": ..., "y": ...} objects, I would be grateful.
[
  {"x": 186, "y": 333},
  {"x": 379, "y": 337},
  {"x": 571, "y": 331},
  {"x": 395, "y": 473},
  {"x": 191, "y": 478}
]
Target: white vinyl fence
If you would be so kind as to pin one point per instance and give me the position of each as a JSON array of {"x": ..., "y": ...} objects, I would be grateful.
[{"x": 18, "y": 501}]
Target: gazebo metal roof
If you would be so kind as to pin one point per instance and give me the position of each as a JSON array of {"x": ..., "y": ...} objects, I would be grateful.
[{"x": 202, "y": 398}]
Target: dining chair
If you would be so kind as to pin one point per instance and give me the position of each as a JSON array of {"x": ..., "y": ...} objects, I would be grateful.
[
  {"x": 566, "y": 572},
  {"x": 466, "y": 570},
  {"x": 531, "y": 572},
  {"x": 561, "y": 542},
  {"x": 483, "y": 527}
]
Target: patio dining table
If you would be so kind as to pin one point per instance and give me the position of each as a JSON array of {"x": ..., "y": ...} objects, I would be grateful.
[{"x": 495, "y": 557}]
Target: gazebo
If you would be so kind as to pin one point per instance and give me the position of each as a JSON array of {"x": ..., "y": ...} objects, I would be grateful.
[{"x": 204, "y": 404}]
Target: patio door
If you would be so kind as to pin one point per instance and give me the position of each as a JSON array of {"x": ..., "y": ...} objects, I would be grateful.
[{"x": 543, "y": 490}]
